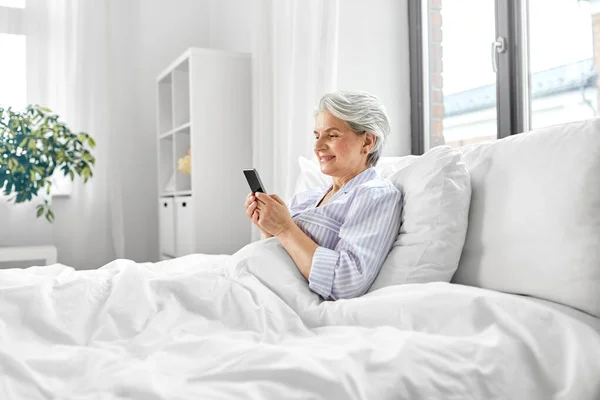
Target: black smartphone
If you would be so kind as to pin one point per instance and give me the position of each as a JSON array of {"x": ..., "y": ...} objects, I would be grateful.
[{"x": 254, "y": 181}]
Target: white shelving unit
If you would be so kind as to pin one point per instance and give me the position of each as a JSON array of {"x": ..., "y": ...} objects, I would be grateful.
[{"x": 204, "y": 105}]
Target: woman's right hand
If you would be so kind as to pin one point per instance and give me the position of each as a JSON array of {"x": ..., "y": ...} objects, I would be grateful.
[{"x": 252, "y": 213}]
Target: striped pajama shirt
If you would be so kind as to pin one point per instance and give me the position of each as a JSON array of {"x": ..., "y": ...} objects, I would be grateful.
[{"x": 355, "y": 230}]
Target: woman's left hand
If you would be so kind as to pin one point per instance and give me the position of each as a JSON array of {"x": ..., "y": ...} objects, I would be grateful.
[{"x": 273, "y": 214}]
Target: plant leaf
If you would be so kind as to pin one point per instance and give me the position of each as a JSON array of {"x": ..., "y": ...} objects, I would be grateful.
[
  {"x": 33, "y": 144},
  {"x": 49, "y": 215}
]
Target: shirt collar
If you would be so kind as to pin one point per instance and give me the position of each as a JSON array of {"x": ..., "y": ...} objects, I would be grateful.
[{"x": 365, "y": 176}]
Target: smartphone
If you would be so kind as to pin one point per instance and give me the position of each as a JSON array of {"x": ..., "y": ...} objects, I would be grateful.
[{"x": 254, "y": 181}]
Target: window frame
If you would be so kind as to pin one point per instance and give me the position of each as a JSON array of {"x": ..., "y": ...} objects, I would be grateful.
[
  {"x": 417, "y": 78},
  {"x": 513, "y": 107}
]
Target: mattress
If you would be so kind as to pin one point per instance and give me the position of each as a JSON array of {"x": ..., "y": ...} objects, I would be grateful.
[{"x": 573, "y": 314}]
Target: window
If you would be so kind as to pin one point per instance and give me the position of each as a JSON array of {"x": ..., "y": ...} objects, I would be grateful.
[
  {"x": 12, "y": 74},
  {"x": 13, "y": 71},
  {"x": 562, "y": 64},
  {"x": 12, "y": 47},
  {"x": 486, "y": 69},
  {"x": 12, "y": 3}
]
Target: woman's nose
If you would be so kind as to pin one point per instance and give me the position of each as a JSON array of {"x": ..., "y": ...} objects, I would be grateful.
[{"x": 319, "y": 144}]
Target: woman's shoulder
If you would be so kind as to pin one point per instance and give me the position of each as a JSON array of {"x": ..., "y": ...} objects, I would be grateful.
[
  {"x": 378, "y": 186},
  {"x": 377, "y": 194}
]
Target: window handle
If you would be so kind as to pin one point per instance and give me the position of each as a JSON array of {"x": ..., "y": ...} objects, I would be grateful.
[{"x": 499, "y": 46}]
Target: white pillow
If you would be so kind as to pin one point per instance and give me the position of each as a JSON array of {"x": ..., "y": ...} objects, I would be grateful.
[
  {"x": 534, "y": 224},
  {"x": 437, "y": 193},
  {"x": 310, "y": 176}
]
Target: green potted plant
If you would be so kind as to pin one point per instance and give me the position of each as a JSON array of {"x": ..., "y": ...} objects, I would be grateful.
[{"x": 33, "y": 144}]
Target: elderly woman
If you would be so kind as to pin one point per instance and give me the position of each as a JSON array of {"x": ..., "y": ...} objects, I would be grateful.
[{"x": 339, "y": 236}]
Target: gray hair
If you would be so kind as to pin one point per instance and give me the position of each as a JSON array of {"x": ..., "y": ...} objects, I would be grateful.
[{"x": 363, "y": 113}]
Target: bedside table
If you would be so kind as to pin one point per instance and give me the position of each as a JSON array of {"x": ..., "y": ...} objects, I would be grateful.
[{"x": 24, "y": 253}]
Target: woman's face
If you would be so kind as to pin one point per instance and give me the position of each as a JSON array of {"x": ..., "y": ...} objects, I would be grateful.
[{"x": 340, "y": 151}]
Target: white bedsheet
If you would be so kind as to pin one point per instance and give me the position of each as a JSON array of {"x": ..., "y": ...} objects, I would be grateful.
[{"x": 247, "y": 327}]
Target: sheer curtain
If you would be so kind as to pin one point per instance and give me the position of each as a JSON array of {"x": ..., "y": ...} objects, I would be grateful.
[
  {"x": 68, "y": 68},
  {"x": 294, "y": 50}
]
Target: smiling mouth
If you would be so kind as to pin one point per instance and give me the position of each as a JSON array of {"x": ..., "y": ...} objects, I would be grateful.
[{"x": 326, "y": 159}]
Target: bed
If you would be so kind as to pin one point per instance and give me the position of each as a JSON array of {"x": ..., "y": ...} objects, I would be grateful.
[
  {"x": 514, "y": 225},
  {"x": 247, "y": 326}
]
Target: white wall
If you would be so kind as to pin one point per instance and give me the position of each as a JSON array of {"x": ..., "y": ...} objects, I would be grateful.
[
  {"x": 373, "y": 53},
  {"x": 374, "y": 57},
  {"x": 230, "y": 24},
  {"x": 148, "y": 36},
  {"x": 123, "y": 92}
]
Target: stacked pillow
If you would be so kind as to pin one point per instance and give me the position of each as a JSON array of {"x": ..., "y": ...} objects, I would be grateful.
[
  {"x": 534, "y": 224},
  {"x": 437, "y": 192}
]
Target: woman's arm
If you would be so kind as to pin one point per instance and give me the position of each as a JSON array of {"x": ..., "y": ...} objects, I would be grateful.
[
  {"x": 365, "y": 238},
  {"x": 273, "y": 216},
  {"x": 300, "y": 247}
]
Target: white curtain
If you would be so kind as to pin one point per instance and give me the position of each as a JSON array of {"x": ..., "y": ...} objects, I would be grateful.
[
  {"x": 68, "y": 72},
  {"x": 295, "y": 62}
]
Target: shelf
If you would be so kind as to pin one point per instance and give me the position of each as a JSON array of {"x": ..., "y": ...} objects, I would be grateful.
[
  {"x": 165, "y": 104},
  {"x": 176, "y": 193},
  {"x": 166, "y": 163},
  {"x": 182, "y": 144},
  {"x": 203, "y": 87},
  {"x": 173, "y": 131},
  {"x": 195, "y": 51},
  {"x": 181, "y": 93}
]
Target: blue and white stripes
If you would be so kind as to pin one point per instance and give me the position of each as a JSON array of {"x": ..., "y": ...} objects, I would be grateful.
[{"x": 355, "y": 230}]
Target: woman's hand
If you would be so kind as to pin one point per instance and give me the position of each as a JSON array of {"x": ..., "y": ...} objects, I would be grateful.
[
  {"x": 273, "y": 215},
  {"x": 252, "y": 213}
]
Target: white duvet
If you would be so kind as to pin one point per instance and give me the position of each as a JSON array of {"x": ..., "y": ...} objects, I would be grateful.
[{"x": 247, "y": 327}]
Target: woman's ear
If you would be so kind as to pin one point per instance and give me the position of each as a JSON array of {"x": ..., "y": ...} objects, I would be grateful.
[{"x": 369, "y": 142}]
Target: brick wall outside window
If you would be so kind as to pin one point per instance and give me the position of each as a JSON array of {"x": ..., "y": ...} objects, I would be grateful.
[
  {"x": 596, "y": 33},
  {"x": 436, "y": 67}
]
